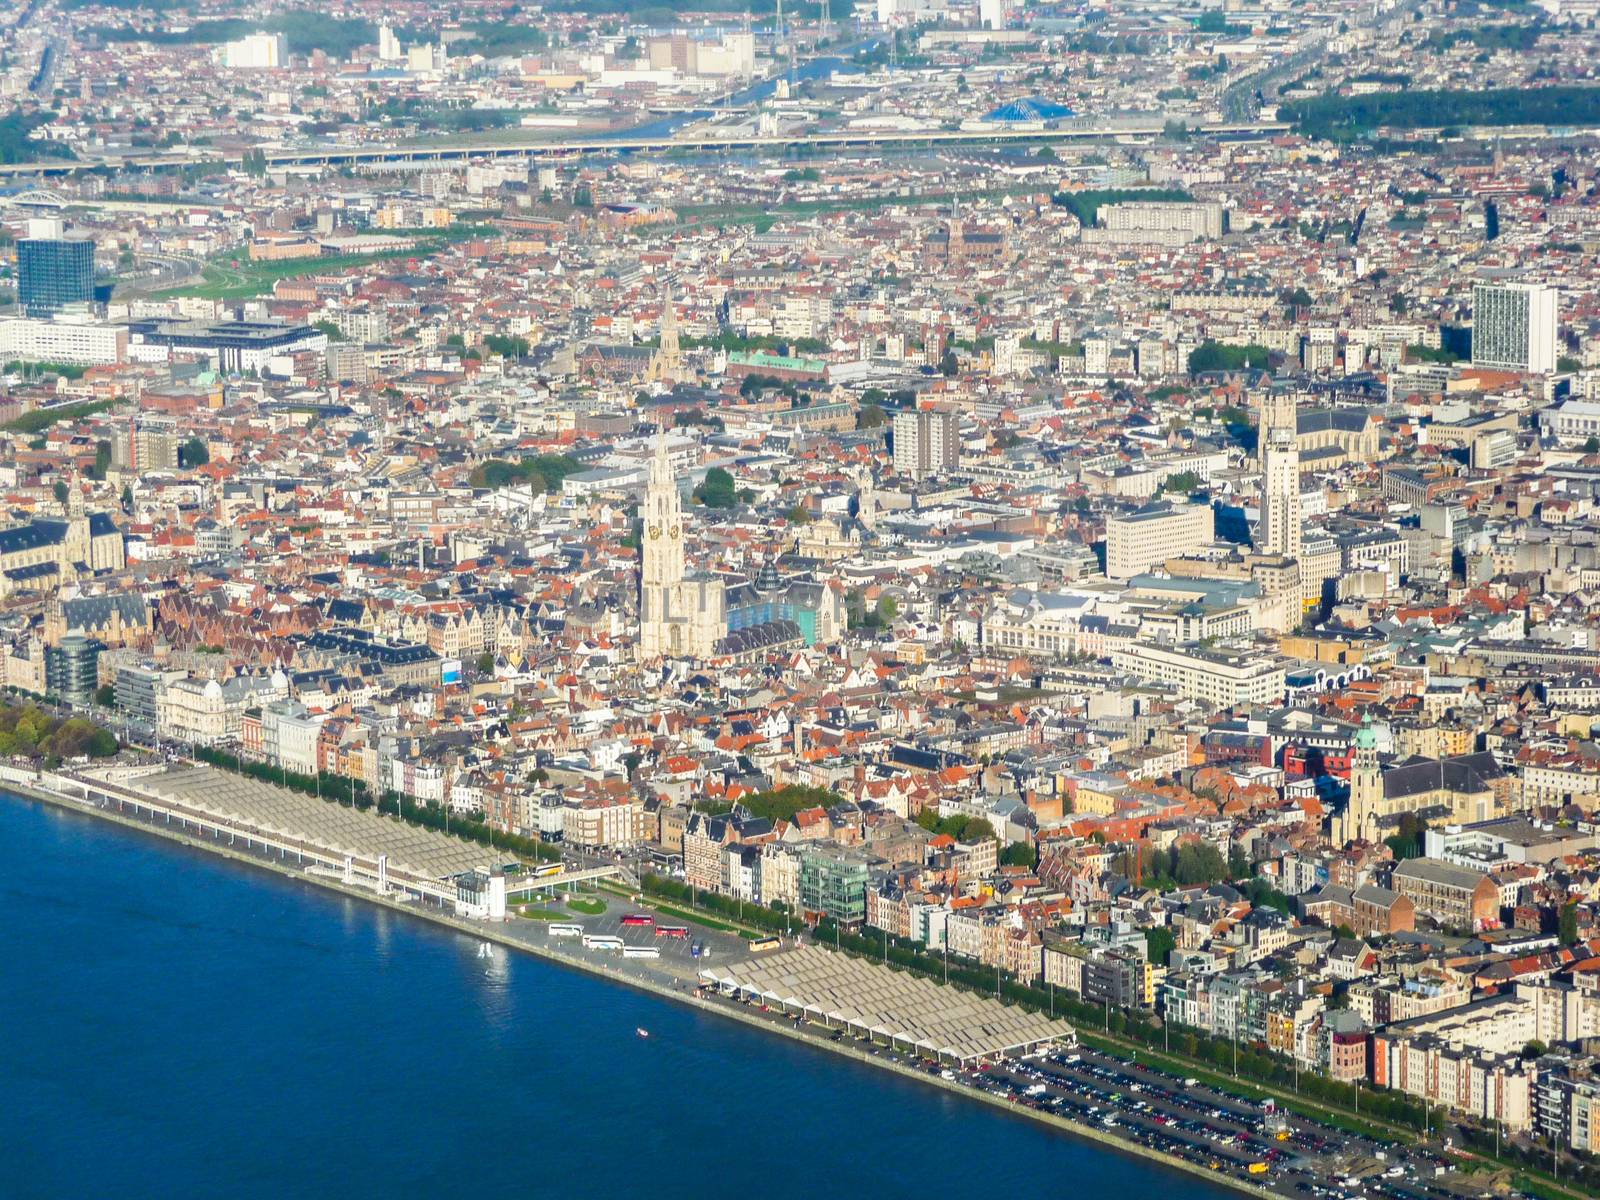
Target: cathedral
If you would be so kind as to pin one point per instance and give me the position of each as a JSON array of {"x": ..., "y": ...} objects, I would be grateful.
[
  {"x": 700, "y": 615},
  {"x": 680, "y": 616}
]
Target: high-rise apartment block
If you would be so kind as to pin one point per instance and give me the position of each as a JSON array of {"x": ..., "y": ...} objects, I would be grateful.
[
  {"x": 926, "y": 442},
  {"x": 1514, "y": 326}
]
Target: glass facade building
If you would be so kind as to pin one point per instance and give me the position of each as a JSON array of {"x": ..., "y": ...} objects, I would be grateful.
[
  {"x": 72, "y": 669},
  {"x": 53, "y": 273},
  {"x": 833, "y": 883}
]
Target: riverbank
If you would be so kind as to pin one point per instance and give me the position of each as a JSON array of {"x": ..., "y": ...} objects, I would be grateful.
[{"x": 665, "y": 987}]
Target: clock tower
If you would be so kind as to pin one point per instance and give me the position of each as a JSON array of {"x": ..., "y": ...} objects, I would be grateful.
[{"x": 679, "y": 616}]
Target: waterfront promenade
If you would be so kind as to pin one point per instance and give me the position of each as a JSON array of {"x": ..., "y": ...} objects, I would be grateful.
[
  {"x": 1126, "y": 1106},
  {"x": 672, "y": 977}
]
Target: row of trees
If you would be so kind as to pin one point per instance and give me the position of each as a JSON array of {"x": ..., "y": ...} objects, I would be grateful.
[
  {"x": 1346, "y": 118},
  {"x": 775, "y": 917}
]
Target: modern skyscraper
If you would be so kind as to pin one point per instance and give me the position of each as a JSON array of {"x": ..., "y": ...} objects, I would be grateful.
[
  {"x": 1514, "y": 326},
  {"x": 926, "y": 442},
  {"x": 53, "y": 270},
  {"x": 1280, "y": 476}
]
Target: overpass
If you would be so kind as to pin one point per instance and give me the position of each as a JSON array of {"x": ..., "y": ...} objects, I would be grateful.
[
  {"x": 529, "y": 884},
  {"x": 320, "y": 837},
  {"x": 422, "y": 153}
]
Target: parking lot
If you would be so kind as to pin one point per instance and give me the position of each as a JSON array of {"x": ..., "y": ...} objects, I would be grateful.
[
  {"x": 1238, "y": 1138},
  {"x": 677, "y": 961},
  {"x": 1227, "y": 1134}
]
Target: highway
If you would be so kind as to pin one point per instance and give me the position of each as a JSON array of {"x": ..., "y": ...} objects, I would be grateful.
[{"x": 847, "y": 139}]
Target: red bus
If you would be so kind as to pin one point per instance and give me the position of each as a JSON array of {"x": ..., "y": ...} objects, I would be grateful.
[
  {"x": 638, "y": 919},
  {"x": 680, "y": 931}
]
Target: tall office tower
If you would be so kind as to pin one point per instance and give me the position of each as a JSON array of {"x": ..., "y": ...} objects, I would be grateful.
[
  {"x": 1280, "y": 476},
  {"x": 388, "y": 45},
  {"x": 53, "y": 269},
  {"x": 1514, "y": 326},
  {"x": 926, "y": 442}
]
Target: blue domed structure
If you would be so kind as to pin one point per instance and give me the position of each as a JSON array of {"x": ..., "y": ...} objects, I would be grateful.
[{"x": 1028, "y": 110}]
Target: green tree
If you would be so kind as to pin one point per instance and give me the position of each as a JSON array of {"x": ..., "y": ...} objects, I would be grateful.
[
  {"x": 1213, "y": 356},
  {"x": 869, "y": 417},
  {"x": 1199, "y": 862},
  {"x": 716, "y": 490},
  {"x": 1159, "y": 943},
  {"x": 193, "y": 453},
  {"x": 485, "y": 663},
  {"x": 60, "y": 491},
  {"x": 1018, "y": 854},
  {"x": 1567, "y": 924},
  {"x": 105, "y": 696}
]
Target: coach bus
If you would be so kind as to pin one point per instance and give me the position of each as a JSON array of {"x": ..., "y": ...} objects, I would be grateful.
[
  {"x": 638, "y": 919},
  {"x": 677, "y": 931}
]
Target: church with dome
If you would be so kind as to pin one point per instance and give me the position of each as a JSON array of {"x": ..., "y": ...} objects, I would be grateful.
[
  {"x": 1457, "y": 789},
  {"x": 702, "y": 615}
]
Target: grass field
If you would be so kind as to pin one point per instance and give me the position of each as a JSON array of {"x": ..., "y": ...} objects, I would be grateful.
[
  {"x": 235, "y": 277},
  {"x": 541, "y": 914},
  {"x": 587, "y": 906}
]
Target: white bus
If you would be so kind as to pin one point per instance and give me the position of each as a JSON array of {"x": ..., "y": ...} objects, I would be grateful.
[
  {"x": 601, "y": 941},
  {"x": 640, "y": 952},
  {"x": 566, "y": 931}
]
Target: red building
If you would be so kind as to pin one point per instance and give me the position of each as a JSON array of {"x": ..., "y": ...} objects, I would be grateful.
[{"x": 1312, "y": 762}]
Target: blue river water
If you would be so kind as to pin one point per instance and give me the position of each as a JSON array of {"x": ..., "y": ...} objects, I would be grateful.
[{"x": 176, "y": 1025}]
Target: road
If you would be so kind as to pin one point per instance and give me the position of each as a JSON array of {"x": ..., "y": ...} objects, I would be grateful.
[{"x": 444, "y": 150}]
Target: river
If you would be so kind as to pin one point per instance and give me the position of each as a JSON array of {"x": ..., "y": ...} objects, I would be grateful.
[{"x": 176, "y": 1025}]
